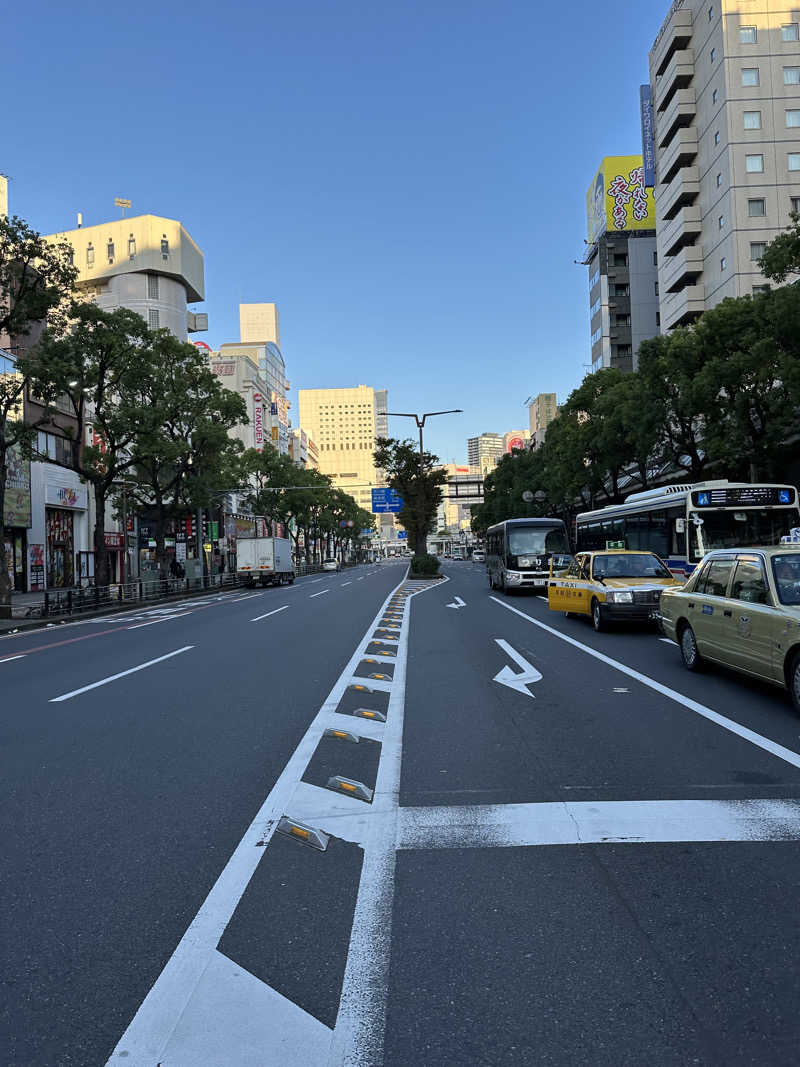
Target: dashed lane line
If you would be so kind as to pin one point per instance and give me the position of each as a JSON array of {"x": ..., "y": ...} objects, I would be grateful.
[
  {"x": 322, "y": 592},
  {"x": 167, "y": 618},
  {"x": 258, "y": 618},
  {"x": 6, "y": 659},
  {"x": 121, "y": 674}
]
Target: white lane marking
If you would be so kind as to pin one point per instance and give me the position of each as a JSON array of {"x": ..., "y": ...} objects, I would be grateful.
[
  {"x": 151, "y": 1028},
  {"x": 258, "y": 618},
  {"x": 457, "y": 603},
  {"x": 153, "y": 622},
  {"x": 7, "y": 658},
  {"x": 667, "y": 640},
  {"x": 346, "y": 583},
  {"x": 322, "y": 592},
  {"x": 774, "y": 749},
  {"x": 520, "y": 682},
  {"x": 315, "y": 580},
  {"x": 122, "y": 674},
  {"x": 598, "y": 822},
  {"x": 619, "y": 689},
  {"x": 361, "y": 579}
]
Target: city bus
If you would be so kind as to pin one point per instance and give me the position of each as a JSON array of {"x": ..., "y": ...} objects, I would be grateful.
[
  {"x": 519, "y": 551},
  {"x": 680, "y": 523}
]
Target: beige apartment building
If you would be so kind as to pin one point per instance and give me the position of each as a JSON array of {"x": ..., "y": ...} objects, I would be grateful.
[
  {"x": 725, "y": 84},
  {"x": 541, "y": 412},
  {"x": 148, "y": 264},
  {"x": 344, "y": 424},
  {"x": 259, "y": 323}
]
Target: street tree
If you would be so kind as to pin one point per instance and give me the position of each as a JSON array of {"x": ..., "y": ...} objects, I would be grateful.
[
  {"x": 418, "y": 480},
  {"x": 182, "y": 452},
  {"x": 781, "y": 257},
  {"x": 35, "y": 280},
  {"x": 99, "y": 366}
]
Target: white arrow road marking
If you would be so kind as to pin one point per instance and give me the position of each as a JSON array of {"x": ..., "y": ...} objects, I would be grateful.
[
  {"x": 506, "y": 676},
  {"x": 457, "y": 603}
]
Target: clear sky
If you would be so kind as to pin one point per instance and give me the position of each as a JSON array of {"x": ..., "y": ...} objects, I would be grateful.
[{"x": 405, "y": 179}]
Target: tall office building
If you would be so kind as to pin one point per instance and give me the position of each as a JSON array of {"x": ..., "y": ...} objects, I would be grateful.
[
  {"x": 725, "y": 85},
  {"x": 344, "y": 424},
  {"x": 542, "y": 409},
  {"x": 621, "y": 256},
  {"x": 146, "y": 263},
  {"x": 485, "y": 451},
  {"x": 259, "y": 323}
]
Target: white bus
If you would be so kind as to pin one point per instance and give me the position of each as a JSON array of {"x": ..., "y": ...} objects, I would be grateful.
[{"x": 681, "y": 523}]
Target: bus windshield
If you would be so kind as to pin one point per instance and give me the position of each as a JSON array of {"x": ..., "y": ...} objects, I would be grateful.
[
  {"x": 740, "y": 529},
  {"x": 535, "y": 540},
  {"x": 629, "y": 565}
]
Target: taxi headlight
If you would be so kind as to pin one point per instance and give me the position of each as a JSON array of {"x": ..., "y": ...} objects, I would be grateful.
[
  {"x": 513, "y": 579},
  {"x": 623, "y": 596}
]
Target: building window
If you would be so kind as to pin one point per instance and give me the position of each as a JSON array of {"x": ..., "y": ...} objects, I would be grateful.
[
  {"x": 655, "y": 259},
  {"x": 152, "y": 318},
  {"x": 791, "y": 75},
  {"x": 793, "y": 160},
  {"x": 719, "y": 180},
  {"x": 714, "y": 96},
  {"x": 754, "y": 164},
  {"x": 164, "y": 246},
  {"x": 792, "y": 118},
  {"x": 789, "y": 32},
  {"x": 723, "y": 263},
  {"x": 110, "y": 251},
  {"x": 795, "y": 202},
  {"x": 713, "y": 54},
  {"x": 131, "y": 246},
  {"x": 658, "y": 318},
  {"x": 622, "y": 320},
  {"x": 90, "y": 255},
  {"x": 760, "y": 289},
  {"x": 152, "y": 287},
  {"x": 752, "y": 120},
  {"x": 619, "y": 290},
  {"x": 747, "y": 35},
  {"x": 710, "y": 14},
  {"x": 720, "y": 222},
  {"x": 716, "y": 137},
  {"x": 750, "y": 76},
  {"x": 655, "y": 287},
  {"x": 757, "y": 208},
  {"x": 757, "y": 250}
]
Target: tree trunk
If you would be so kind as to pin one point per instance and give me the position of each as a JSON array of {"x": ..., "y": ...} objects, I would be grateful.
[
  {"x": 161, "y": 552},
  {"x": 5, "y": 580},
  {"x": 101, "y": 568}
]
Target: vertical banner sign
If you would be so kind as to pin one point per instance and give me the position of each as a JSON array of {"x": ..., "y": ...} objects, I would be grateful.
[
  {"x": 258, "y": 422},
  {"x": 648, "y": 138}
]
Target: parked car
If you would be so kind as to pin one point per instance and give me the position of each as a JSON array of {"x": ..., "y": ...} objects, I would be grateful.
[
  {"x": 612, "y": 586},
  {"x": 330, "y": 564},
  {"x": 741, "y": 609}
]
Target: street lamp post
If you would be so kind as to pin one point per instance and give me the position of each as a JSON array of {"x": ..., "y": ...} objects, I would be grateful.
[{"x": 420, "y": 421}]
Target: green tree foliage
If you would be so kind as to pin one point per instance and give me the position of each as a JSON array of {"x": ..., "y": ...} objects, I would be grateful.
[
  {"x": 419, "y": 484},
  {"x": 782, "y": 254},
  {"x": 35, "y": 281}
]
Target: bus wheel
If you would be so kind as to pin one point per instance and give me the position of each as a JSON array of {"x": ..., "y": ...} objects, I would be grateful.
[{"x": 598, "y": 621}]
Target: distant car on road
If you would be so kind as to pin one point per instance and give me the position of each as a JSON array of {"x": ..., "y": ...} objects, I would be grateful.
[
  {"x": 741, "y": 609},
  {"x": 478, "y": 556},
  {"x": 611, "y": 586},
  {"x": 331, "y": 565}
]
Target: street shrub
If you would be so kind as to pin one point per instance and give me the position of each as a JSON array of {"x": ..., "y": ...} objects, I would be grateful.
[{"x": 424, "y": 564}]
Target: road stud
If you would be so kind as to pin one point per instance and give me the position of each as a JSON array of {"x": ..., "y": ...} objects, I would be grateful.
[
  {"x": 368, "y": 713},
  {"x": 341, "y": 735},
  {"x": 353, "y": 789},
  {"x": 361, "y": 688},
  {"x": 381, "y": 677},
  {"x": 307, "y": 835}
]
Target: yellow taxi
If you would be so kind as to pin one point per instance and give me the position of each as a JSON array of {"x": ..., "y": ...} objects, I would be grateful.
[{"x": 615, "y": 585}]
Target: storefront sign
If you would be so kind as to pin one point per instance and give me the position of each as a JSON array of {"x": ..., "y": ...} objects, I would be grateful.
[
  {"x": 62, "y": 496},
  {"x": 36, "y": 566},
  {"x": 223, "y": 368},
  {"x": 180, "y": 551},
  {"x": 113, "y": 540},
  {"x": 17, "y": 509},
  {"x": 258, "y": 423}
]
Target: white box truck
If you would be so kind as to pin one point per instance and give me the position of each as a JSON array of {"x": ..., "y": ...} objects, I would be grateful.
[{"x": 265, "y": 559}]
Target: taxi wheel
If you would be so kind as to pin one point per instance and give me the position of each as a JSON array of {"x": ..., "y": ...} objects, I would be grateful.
[
  {"x": 598, "y": 621},
  {"x": 793, "y": 681},
  {"x": 692, "y": 660}
]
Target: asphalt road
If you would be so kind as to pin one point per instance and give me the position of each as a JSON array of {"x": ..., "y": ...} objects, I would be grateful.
[{"x": 569, "y": 849}]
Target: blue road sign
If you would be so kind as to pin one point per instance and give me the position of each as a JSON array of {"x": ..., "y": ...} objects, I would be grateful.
[
  {"x": 385, "y": 501},
  {"x": 402, "y": 535}
]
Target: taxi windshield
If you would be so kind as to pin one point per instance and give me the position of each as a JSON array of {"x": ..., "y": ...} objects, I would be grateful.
[
  {"x": 786, "y": 570},
  {"x": 629, "y": 565},
  {"x": 536, "y": 540}
]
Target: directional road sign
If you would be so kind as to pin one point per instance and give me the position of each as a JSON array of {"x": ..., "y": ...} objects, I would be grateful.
[{"x": 385, "y": 501}]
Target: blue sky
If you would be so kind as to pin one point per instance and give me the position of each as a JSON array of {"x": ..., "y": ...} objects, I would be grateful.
[{"x": 405, "y": 180}]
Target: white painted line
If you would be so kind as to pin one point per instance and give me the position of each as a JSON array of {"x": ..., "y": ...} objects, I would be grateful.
[
  {"x": 598, "y": 822},
  {"x": 774, "y": 749},
  {"x": 7, "y": 658},
  {"x": 122, "y": 674},
  {"x": 361, "y": 579},
  {"x": 346, "y": 583},
  {"x": 151, "y": 1028},
  {"x": 167, "y": 618},
  {"x": 508, "y": 677},
  {"x": 258, "y": 618},
  {"x": 667, "y": 640},
  {"x": 322, "y": 592},
  {"x": 315, "y": 580}
]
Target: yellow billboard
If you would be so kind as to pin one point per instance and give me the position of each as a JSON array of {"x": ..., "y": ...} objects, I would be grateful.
[{"x": 618, "y": 199}]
